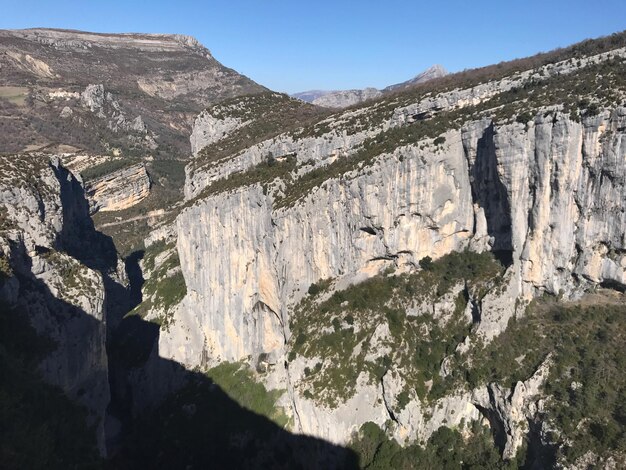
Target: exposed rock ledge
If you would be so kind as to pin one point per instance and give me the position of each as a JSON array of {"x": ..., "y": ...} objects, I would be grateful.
[{"x": 118, "y": 190}]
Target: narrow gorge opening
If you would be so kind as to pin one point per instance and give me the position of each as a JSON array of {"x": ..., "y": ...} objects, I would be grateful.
[{"x": 160, "y": 413}]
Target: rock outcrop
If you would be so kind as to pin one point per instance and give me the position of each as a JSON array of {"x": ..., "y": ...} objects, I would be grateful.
[
  {"x": 431, "y": 73},
  {"x": 45, "y": 230},
  {"x": 509, "y": 411},
  {"x": 118, "y": 190},
  {"x": 346, "y": 98},
  {"x": 208, "y": 129}
]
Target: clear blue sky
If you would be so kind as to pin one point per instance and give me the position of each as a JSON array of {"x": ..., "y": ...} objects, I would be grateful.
[{"x": 296, "y": 45}]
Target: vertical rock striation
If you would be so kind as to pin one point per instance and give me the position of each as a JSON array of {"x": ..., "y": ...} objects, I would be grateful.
[{"x": 546, "y": 197}]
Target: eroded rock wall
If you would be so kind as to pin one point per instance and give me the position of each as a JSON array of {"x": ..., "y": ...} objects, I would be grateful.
[
  {"x": 546, "y": 197},
  {"x": 119, "y": 190},
  {"x": 64, "y": 295}
]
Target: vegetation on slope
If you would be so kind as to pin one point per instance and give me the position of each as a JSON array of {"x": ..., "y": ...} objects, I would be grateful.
[
  {"x": 579, "y": 95},
  {"x": 73, "y": 280},
  {"x": 107, "y": 167},
  {"x": 473, "y": 77},
  {"x": 339, "y": 330},
  {"x": 165, "y": 288},
  {"x": 238, "y": 381},
  {"x": 5, "y": 269},
  {"x": 264, "y": 173},
  {"x": 586, "y": 391},
  {"x": 267, "y": 114},
  {"x": 587, "y": 384},
  {"x": 447, "y": 449}
]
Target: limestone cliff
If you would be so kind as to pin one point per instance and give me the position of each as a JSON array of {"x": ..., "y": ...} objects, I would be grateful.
[
  {"x": 489, "y": 168},
  {"x": 489, "y": 187},
  {"x": 402, "y": 266},
  {"x": 118, "y": 190},
  {"x": 44, "y": 236}
]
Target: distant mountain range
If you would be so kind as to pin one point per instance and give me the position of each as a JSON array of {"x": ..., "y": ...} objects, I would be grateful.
[{"x": 345, "y": 98}]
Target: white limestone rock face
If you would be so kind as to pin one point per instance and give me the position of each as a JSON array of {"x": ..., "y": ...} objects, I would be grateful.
[
  {"x": 338, "y": 424},
  {"x": 94, "y": 98},
  {"x": 208, "y": 129},
  {"x": 400, "y": 201},
  {"x": 118, "y": 190},
  {"x": 512, "y": 409},
  {"x": 547, "y": 197},
  {"x": 566, "y": 188},
  {"x": 417, "y": 203},
  {"x": 235, "y": 224}
]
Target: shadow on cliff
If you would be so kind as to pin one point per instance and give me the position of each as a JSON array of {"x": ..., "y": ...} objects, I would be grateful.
[
  {"x": 490, "y": 193},
  {"x": 49, "y": 357},
  {"x": 80, "y": 239},
  {"x": 174, "y": 418},
  {"x": 162, "y": 415}
]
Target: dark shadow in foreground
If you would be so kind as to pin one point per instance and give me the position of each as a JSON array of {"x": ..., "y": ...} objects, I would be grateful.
[
  {"x": 195, "y": 424},
  {"x": 160, "y": 415}
]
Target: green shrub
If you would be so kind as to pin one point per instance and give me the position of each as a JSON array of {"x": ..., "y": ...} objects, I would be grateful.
[
  {"x": 5, "y": 269},
  {"x": 237, "y": 380},
  {"x": 165, "y": 288},
  {"x": 426, "y": 263},
  {"x": 384, "y": 299},
  {"x": 446, "y": 449},
  {"x": 524, "y": 117}
]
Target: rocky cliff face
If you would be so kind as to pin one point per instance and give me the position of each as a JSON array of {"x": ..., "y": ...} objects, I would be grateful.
[
  {"x": 539, "y": 184},
  {"x": 487, "y": 188},
  {"x": 346, "y": 98},
  {"x": 118, "y": 190},
  {"x": 359, "y": 265},
  {"x": 44, "y": 233}
]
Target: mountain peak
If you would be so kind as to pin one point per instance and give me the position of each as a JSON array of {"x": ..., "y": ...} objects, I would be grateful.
[
  {"x": 344, "y": 98},
  {"x": 432, "y": 72}
]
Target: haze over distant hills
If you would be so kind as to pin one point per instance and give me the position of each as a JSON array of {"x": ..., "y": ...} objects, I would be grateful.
[{"x": 345, "y": 98}]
